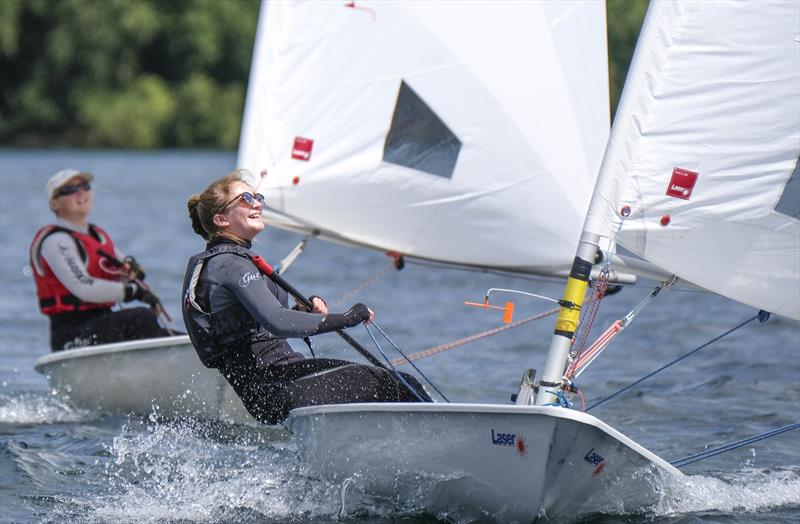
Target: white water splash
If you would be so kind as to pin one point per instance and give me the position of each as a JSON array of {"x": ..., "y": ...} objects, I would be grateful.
[
  {"x": 32, "y": 408},
  {"x": 747, "y": 491},
  {"x": 188, "y": 471}
]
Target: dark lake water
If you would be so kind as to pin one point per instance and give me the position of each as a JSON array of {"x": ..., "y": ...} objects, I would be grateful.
[{"x": 58, "y": 464}]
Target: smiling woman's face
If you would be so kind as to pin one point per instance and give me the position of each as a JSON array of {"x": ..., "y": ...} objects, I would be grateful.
[{"x": 241, "y": 219}]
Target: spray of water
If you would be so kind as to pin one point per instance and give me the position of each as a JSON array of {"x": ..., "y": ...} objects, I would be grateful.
[
  {"x": 748, "y": 490},
  {"x": 200, "y": 472},
  {"x": 38, "y": 408}
]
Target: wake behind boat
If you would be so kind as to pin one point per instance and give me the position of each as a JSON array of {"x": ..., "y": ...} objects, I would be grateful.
[{"x": 160, "y": 375}]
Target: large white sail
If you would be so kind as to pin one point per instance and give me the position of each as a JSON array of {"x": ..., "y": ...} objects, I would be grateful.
[
  {"x": 464, "y": 132},
  {"x": 704, "y": 150}
]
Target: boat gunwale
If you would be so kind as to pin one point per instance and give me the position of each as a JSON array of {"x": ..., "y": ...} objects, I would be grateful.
[{"x": 115, "y": 347}]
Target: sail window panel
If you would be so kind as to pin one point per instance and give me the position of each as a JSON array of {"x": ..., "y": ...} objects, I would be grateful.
[
  {"x": 418, "y": 139},
  {"x": 789, "y": 204}
]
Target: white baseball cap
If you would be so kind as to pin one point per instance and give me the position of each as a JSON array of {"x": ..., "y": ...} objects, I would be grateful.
[{"x": 61, "y": 178}]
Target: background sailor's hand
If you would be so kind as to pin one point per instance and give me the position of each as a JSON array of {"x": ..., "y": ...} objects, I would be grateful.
[
  {"x": 134, "y": 269},
  {"x": 136, "y": 291}
]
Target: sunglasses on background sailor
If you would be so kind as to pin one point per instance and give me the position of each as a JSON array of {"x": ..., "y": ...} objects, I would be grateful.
[{"x": 71, "y": 189}]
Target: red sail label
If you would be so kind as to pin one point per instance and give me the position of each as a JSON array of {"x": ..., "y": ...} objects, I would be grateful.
[
  {"x": 682, "y": 183},
  {"x": 302, "y": 148}
]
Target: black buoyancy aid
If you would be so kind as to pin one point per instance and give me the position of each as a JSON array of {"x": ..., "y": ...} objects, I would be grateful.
[
  {"x": 54, "y": 297},
  {"x": 233, "y": 328}
]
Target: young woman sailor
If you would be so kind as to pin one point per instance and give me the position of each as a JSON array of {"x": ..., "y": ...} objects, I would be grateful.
[
  {"x": 239, "y": 319},
  {"x": 80, "y": 276}
]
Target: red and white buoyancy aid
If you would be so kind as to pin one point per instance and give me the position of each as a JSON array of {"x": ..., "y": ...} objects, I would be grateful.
[{"x": 54, "y": 297}]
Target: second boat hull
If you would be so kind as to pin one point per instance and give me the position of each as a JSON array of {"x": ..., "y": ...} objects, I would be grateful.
[{"x": 161, "y": 375}]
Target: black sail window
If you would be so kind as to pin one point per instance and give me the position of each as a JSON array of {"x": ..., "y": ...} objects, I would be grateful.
[
  {"x": 418, "y": 138},
  {"x": 789, "y": 204}
]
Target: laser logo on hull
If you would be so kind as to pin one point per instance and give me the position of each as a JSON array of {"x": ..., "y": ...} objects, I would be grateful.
[
  {"x": 503, "y": 439},
  {"x": 512, "y": 440},
  {"x": 596, "y": 460}
]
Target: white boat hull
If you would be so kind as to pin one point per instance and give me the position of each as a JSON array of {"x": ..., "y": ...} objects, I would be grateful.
[
  {"x": 512, "y": 462},
  {"x": 161, "y": 375}
]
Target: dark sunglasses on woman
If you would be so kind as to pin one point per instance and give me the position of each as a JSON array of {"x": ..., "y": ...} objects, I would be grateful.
[
  {"x": 70, "y": 189},
  {"x": 248, "y": 198}
]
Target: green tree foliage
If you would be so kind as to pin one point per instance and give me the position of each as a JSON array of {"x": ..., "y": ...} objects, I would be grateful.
[
  {"x": 155, "y": 73},
  {"x": 625, "y": 19},
  {"x": 137, "y": 114},
  {"x": 124, "y": 73}
]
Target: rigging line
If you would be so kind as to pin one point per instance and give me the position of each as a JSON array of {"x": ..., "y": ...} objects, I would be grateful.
[
  {"x": 665, "y": 366},
  {"x": 368, "y": 282},
  {"x": 597, "y": 293},
  {"x": 587, "y": 356},
  {"x": 580, "y": 364},
  {"x": 733, "y": 445},
  {"x": 460, "y": 342},
  {"x": 396, "y": 373},
  {"x": 382, "y": 332}
]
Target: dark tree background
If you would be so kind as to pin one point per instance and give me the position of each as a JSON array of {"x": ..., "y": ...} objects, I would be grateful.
[{"x": 155, "y": 73}]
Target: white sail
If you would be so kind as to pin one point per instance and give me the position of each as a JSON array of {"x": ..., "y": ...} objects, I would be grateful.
[
  {"x": 464, "y": 132},
  {"x": 703, "y": 150}
]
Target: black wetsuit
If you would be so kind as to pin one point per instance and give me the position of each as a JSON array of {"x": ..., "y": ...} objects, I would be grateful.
[{"x": 239, "y": 319}]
